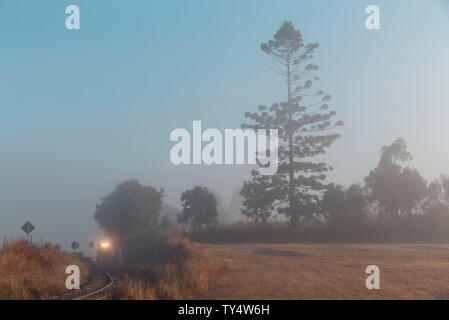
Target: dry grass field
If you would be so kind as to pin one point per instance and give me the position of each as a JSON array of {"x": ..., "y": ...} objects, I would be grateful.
[
  {"x": 28, "y": 272},
  {"x": 329, "y": 271}
]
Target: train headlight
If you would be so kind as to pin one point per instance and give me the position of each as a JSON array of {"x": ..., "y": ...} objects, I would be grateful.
[{"x": 105, "y": 245}]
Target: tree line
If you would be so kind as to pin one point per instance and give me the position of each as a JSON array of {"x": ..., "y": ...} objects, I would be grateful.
[{"x": 298, "y": 191}]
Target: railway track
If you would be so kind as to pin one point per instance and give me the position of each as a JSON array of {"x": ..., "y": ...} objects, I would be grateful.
[
  {"x": 97, "y": 288},
  {"x": 100, "y": 292}
]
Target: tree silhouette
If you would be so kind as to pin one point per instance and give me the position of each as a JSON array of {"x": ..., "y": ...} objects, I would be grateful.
[
  {"x": 301, "y": 122},
  {"x": 131, "y": 209},
  {"x": 436, "y": 203},
  {"x": 344, "y": 206},
  {"x": 258, "y": 197},
  {"x": 396, "y": 189},
  {"x": 199, "y": 207},
  {"x": 333, "y": 202}
]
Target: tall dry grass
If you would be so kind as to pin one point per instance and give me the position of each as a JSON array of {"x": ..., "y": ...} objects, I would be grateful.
[
  {"x": 28, "y": 272},
  {"x": 176, "y": 269}
]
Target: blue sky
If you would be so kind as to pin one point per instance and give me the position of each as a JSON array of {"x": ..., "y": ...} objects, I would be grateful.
[{"x": 83, "y": 110}]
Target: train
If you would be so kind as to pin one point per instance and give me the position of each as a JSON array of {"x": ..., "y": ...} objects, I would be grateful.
[{"x": 109, "y": 255}]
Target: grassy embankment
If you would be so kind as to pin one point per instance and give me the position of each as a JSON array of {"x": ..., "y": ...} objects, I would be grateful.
[
  {"x": 173, "y": 268},
  {"x": 28, "y": 272}
]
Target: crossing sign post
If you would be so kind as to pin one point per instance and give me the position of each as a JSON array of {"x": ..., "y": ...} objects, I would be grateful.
[
  {"x": 75, "y": 245},
  {"x": 28, "y": 228}
]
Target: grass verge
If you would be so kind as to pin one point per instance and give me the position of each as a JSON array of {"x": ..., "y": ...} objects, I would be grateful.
[
  {"x": 28, "y": 272},
  {"x": 175, "y": 269}
]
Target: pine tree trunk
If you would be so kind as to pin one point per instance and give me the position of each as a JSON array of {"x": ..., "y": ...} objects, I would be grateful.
[{"x": 291, "y": 196}]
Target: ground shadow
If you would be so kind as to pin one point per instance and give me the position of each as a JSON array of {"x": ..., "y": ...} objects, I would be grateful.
[{"x": 279, "y": 253}]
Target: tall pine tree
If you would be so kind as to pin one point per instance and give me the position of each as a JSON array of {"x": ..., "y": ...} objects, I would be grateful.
[{"x": 302, "y": 122}]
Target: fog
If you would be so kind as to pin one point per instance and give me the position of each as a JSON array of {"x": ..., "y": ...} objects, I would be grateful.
[{"x": 82, "y": 111}]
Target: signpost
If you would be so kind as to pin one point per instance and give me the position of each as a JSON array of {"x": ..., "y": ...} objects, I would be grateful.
[
  {"x": 75, "y": 245},
  {"x": 28, "y": 228}
]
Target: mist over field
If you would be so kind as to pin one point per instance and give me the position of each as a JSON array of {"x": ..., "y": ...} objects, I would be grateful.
[{"x": 83, "y": 111}]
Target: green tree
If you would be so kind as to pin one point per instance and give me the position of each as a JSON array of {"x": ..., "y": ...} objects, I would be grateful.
[
  {"x": 258, "y": 197},
  {"x": 396, "y": 189},
  {"x": 356, "y": 200},
  {"x": 333, "y": 202},
  {"x": 199, "y": 207},
  {"x": 344, "y": 205},
  {"x": 131, "y": 209},
  {"x": 437, "y": 198},
  {"x": 301, "y": 122}
]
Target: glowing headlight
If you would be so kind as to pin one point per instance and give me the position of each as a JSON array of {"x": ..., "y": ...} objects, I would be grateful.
[{"x": 104, "y": 245}]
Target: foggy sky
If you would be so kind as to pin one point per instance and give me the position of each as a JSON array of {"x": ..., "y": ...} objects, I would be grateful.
[{"x": 83, "y": 110}]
